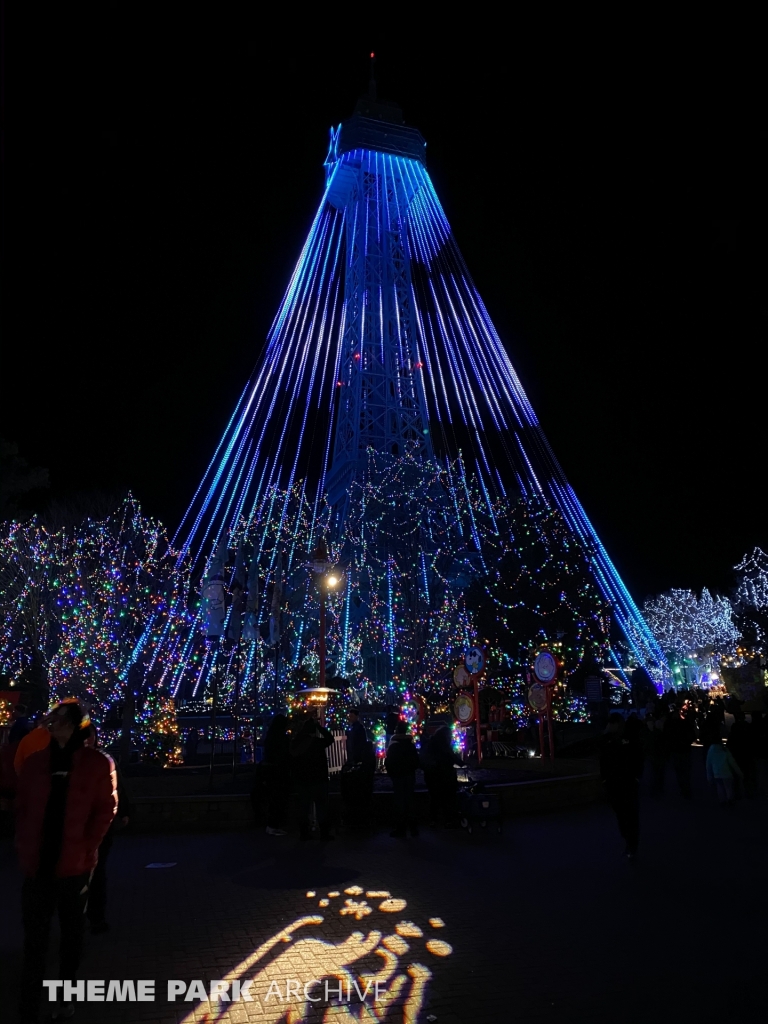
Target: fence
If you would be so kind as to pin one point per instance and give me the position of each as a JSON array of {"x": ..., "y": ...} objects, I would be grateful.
[{"x": 337, "y": 754}]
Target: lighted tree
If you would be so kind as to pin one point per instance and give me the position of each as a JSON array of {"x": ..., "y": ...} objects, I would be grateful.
[
  {"x": 412, "y": 541},
  {"x": 76, "y": 601},
  {"x": 694, "y": 632},
  {"x": 29, "y": 623},
  {"x": 6, "y": 712},
  {"x": 159, "y": 730},
  {"x": 751, "y": 598},
  {"x": 541, "y": 593},
  {"x": 399, "y": 622}
]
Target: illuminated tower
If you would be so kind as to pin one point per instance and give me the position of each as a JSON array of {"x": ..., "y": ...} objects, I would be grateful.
[
  {"x": 382, "y": 348},
  {"x": 374, "y": 172}
]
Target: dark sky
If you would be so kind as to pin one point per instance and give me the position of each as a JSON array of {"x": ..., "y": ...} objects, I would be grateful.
[{"x": 609, "y": 201}]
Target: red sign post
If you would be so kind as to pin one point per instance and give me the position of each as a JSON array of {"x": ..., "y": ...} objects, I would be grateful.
[
  {"x": 476, "y": 690},
  {"x": 474, "y": 663},
  {"x": 464, "y": 677}
]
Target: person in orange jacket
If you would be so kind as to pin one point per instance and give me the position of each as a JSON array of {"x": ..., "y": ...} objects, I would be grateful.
[{"x": 65, "y": 802}]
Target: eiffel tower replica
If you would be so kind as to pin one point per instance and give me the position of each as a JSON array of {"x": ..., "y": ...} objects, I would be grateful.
[{"x": 383, "y": 378}]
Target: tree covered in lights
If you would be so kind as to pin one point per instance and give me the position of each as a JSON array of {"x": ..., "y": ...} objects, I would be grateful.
[
  {"x": 694, "y": 632},
  {"x": 412, "y": 545},
  {"x": 159, "y": 730},
  {"x": 29, "y": 624},
  {"x": 6, "y": 712},
  {"x": 540, "y": 593},
  {"x": 75, "y": 601},
  {"x": 399, "y": 623},
  {"x": 751, "y": 599}
]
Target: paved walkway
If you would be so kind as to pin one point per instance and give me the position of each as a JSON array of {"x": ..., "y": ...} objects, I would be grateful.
[
  {"x": 181, "y": 782},
  {"x": 546, "y": 923}
]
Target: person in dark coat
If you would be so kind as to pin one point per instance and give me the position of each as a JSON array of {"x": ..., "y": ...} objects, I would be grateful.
[
  {"x": 190, "y": 747},
  {"x": 390, "y": 722},
  {"x": 656, "y": 750},
  {"x": 97, "y": 892},
  {"x": 276, "y": 769},
  {"x": 65, "y": 803},
  {"x": 620, "y": 767},
  {"x": 440, "y": 777},
  {"x": 401, "y": 763},
  {"x": 309, "y": 769},
  {"x": 741, "y": 743},
  {"x": 634, "y": 731},
  {"x": 357, "y": 741},
  {"x": 711, "y": 726},
  {"x": 678, "y": 737},
  {"x": 357, "y": 775}
]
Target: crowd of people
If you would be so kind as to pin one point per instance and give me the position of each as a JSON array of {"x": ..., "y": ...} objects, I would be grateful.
[
  {"x": 294, "y": 772},
  {"x": 659, "y": 741}
]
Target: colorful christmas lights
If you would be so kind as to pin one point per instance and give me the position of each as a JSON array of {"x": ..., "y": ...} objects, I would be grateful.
[{"x": 74, "y": 601}]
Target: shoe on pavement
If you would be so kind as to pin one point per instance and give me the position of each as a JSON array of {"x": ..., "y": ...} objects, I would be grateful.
[
  {"x": 398, "y": 833},
  {"x": 276, "y": 831},
  {"x": 414, "y": 830}
]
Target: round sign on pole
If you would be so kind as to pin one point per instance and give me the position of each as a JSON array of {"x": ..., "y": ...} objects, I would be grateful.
[
  {"x": 537, "y": 697},
  {"x": 545, "y": 667},
  {"x": 474, "y": 659},
  {"x": 464, "y": 709},
  {"x": 460, "y": 677}
]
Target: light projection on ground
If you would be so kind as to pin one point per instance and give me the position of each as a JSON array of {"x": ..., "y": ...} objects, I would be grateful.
[{"x": 321, "y": 969}]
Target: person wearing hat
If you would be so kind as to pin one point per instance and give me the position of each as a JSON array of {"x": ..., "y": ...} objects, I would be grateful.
[{"x": 65, "y": 803}]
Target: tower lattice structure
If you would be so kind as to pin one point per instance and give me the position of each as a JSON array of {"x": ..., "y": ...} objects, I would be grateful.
[{"x": 382, "y": 405}]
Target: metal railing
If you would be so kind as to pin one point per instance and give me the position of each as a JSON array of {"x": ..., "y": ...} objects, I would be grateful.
[{"x": 337, "y": 754}]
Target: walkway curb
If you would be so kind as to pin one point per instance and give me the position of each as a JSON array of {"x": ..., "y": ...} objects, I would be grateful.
[{"x": 218, "y": 812}]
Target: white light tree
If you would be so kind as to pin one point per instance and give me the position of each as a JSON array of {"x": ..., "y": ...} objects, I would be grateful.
[
  {"x": 694, "y": 632},
  {"x": 751, "y": 599},
  {"x": 752, "y": 588}
]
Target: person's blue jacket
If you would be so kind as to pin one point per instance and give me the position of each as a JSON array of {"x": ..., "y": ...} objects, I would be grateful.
[{"x": 721, "y": 764}]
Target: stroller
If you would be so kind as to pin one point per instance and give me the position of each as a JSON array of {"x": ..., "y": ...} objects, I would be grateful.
[{"x": 476, "y": 806}]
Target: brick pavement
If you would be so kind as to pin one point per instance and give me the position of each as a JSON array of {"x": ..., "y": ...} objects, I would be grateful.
[{"x": 547, "y": 923}]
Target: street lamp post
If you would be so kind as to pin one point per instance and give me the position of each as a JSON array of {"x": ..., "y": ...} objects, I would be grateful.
[
  {"x": 322, "y": 635},
  {"x": 326, "y": 580}
]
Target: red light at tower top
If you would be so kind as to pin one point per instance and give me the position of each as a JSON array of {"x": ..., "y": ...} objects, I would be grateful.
[{"x": 373, "y": 56}]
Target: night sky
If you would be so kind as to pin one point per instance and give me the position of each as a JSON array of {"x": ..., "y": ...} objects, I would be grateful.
[{"x": 609, "y": 201}]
